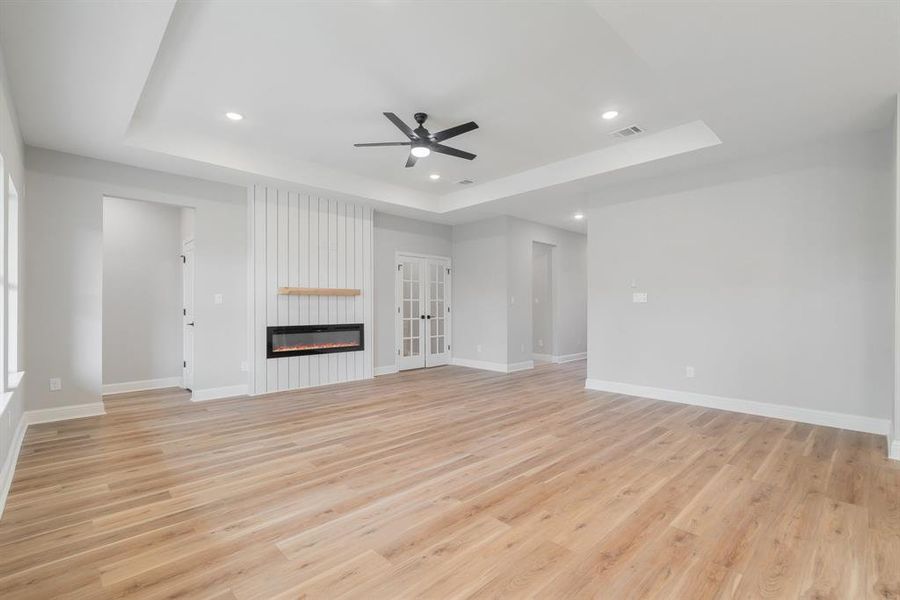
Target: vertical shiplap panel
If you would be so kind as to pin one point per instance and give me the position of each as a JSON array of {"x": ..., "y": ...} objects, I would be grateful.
[
  {"x": 367, "y": 291},
  {"x": 340, "y": 223},
  {"x": 259, "y": 288},
  {"x": 293, "y": 219},
  {"x": 324, "y": 247},
  {"x": 303, "y": 244},
  {"x": 271, "y": 278},
  {"x": 349, "y": 315},
  {"x": 283, "y": 270},
  {"x": 310, "y": 242},
  {"x": 314, "y": 281},
  {"x": 358, "y": 223}
]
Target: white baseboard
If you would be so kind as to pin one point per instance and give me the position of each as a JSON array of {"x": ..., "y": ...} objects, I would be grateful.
[
  {"x": 751, "y": 407},
  {"x": 387, "y": 370},
  {"x": 229, "y": 391},
  {"x": 9, "y": 466},
  {"x": 564, "y": 358},
  {"x": 493, "y": 366},
  {"x": 893, "y": 449},
  {"x": 35, "y": 417},
  {"x": 537, "y": 356},
  {"x": 139, "y": 386},
  {"x": 64, "y": 413}
]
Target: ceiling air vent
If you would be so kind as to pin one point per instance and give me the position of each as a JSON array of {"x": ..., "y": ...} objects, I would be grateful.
[
  {"x": 627, "y": 132},
  {"x": 465, "y": 182}
]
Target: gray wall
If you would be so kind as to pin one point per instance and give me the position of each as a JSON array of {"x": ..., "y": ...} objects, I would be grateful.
[
  {"x": 569, "y": 288},
  {"x": 773, "y": 278},
  {"x": 492, "y": 290},
  {"x": 142, "y": 296},
  {"x": 542, "y": 299},
  {"x": 480, "y": 286},
  {"x": 64, "y": 257},
  {"x": 398, "y": 234}
]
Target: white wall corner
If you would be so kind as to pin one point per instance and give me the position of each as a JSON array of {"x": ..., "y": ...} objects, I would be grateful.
[
  {"x": 65, "y": 413},
  {"x": 139, "y": 386},
  {"x": 893, "y": 448},
  {"x": 9, "y": 466},
  {"x": 750, "y": 407},
  {"x": 228, "y": 391},
  {"x": 386, "y": 370}
]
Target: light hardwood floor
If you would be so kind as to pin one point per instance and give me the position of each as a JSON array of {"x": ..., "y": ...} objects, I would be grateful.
[{"x": 447, "y": 483}]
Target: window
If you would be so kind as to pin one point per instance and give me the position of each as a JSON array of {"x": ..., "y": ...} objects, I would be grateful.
[
  {"x": 12, "y": 279},
  {"x": 9, "y": 281}
]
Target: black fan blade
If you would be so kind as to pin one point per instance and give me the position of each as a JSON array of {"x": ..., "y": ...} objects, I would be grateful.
[
  {"x": 400, "y": 125},
  {"x": 446, "y": 134},
  {"x": 451, "y": 151},
  {"x": 372, "y": 145},
  {"x": 411, "y": 161}
]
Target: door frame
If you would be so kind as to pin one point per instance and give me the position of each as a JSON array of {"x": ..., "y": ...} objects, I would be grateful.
[{"x": 398, "y": 295}]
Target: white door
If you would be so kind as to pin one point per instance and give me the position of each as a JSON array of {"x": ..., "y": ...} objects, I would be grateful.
[
  {"x": 187, "y": 287},
  {"x": 423, "y": 312},
  {"x": 437, "y": 318}
]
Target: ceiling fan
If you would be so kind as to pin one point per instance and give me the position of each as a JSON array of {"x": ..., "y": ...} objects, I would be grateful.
[{"x": 422, "y": 142}]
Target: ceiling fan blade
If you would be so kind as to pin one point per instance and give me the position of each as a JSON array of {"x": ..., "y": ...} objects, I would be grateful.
[
  {"x": 400, "y": 125},
  {"x": 446, "y": 134},
  {"x": 411, "y": 161},
  {"x": 372, "y": 145},
  {"x": 451, "y": 151}
]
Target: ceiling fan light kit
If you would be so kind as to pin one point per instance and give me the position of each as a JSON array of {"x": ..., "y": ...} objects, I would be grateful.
[{"x": 422, "y": 142}]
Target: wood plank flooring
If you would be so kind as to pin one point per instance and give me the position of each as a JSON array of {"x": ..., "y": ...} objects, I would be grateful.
[{"x": 447, "y": 483}]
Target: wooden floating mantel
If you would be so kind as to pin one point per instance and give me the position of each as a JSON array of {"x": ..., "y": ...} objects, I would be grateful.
[{"x": 293, "y": 291}]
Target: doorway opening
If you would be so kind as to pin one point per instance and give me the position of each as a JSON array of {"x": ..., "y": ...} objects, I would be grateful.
[
  {"x": 423, "y": 311},
  {"x": 147, "y": 306},
  {"x": 542, "y": 302}
]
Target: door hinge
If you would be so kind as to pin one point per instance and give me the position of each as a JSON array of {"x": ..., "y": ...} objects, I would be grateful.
[
  {"x": 398, "y": 310},
  {"x": 184, "y": 312},
  {"x": 183, "y": 258},
  {"x": 184, "y": 364},
  {"x": 448, "y": 271},
  {"x": 399, "y": 267}
]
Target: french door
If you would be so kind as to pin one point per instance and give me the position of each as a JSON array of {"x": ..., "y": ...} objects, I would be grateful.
[{"x": 423, "y": 311}]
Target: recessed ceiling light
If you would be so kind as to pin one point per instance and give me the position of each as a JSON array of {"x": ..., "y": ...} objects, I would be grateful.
[
  {"x": 434, "y": 176},
  {"x": 578, "y": 216},
  {"x": 610, "y": 114},
  {"x": 234, "y": 116},
  {"x": 420, "y": 151}
]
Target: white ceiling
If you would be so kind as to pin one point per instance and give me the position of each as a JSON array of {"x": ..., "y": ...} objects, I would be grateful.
[{"x": 147, "y": 83}]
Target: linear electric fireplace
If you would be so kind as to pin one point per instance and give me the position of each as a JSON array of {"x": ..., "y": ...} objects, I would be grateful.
[{"x": 298, "y": 340}]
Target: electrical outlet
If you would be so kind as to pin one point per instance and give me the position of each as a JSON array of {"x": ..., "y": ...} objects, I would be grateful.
[
  {"x": 540, "y": 343},
  {"x": 478, "y": 348},
  {"x": 689, "y": 372},
  {"x": 639, "y": 297},
  {"x": 55, "y": 384},
  {"x": 218, "y": 299}
]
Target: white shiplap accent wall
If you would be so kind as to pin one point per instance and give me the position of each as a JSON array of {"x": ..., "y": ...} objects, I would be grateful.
[{"x": 302, "y": 240}]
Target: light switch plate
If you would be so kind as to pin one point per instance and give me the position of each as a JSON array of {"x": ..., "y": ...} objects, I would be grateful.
[
  {"x": 218, "y": 299},
  {"x": 55, "y": 384},
  {"x": 689, "y": 372},
  {"x": 639, "y": 297}
]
